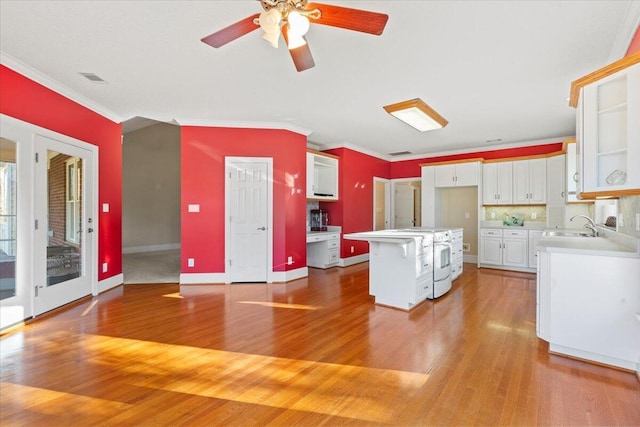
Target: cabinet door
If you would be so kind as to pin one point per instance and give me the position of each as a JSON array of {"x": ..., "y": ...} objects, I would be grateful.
[
  {"x": 310, "y": 175},
  {"x": 491, "y": 250},
  {"x": 538, "y": 181},
  {"x": 490, "y": 183},
  {"x": 611, "y": 130},
  {"x": 556, "y": 180},
  {"x": 445, "y": 175},
  {"x": 571, "y": 173},
  {"x": 534, "y": 236},
  {"x": 521, "y": 182},
  {"x": 514, "y": 252},
  {"x": 466, "y": 174},
  {"x": 505, "y": 183}
]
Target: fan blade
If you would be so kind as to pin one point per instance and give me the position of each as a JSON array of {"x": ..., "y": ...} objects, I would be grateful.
[
  {"x": 301, "y": 56},
  {"x": 232, "y": 32},
  {"x": 350, "y": 19}
]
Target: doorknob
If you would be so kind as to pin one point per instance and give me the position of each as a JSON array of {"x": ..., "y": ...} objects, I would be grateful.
[{"x": 262, "y": 228}]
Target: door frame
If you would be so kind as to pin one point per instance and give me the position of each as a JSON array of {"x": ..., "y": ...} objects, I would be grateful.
[
  {"x": 228, "y": 160},
  {"x": 393, "y": 199},
  {"x": 24, "y": 134},
  {"x": 387, "y": 202}
]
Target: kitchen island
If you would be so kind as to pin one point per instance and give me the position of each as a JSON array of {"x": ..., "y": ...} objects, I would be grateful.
[{"x": 400, "y": 266}]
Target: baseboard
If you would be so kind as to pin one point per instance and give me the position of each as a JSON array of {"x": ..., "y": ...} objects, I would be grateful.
[
  {"x": 345, "y": 262},
  {"x": 470, "y": 258},
  {"x": 287, "y": 276},
  {"x": 202, "y": 278},
  {"x": 150, "y": 248},
  {"x": 111, "y": 282}
]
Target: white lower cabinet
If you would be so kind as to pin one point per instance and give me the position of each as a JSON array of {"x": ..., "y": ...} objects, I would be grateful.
[
  {"x": 504, "y": 248},
  {"x": 323, "y": 250},
  {"x": 456, "y": 253},
  {"x": 588, "y": 305}
]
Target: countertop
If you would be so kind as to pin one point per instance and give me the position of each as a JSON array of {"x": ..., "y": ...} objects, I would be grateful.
[
  {"x": 532, "y": 225},
  {"x": 609, "y": 244}
]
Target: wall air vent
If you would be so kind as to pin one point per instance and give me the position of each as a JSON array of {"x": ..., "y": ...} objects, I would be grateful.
[
  {"x": 93, "y": 78},
  {"x": 400, "y": 153}
]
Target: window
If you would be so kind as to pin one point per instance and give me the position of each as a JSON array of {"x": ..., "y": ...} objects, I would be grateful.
[{"x": 73, "y": 199}]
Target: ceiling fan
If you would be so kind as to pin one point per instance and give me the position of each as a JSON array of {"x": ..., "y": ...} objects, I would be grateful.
[{"x": 292, "y": 18}]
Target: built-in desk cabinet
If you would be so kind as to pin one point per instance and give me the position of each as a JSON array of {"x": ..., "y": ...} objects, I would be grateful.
[
  {"x": 323, "y": 249},
  {"x": 322, "y": 176}
]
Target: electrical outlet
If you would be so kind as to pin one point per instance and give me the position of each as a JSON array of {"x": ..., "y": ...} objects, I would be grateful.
[
  {"x": 534, "y": 215},
  {"x": 191, "y": 262},
  {"x": 353, "y": 249},
  {"x": 290, "y": 260},
  {"x": 493, "y": 215},
  {"x": 638, "y": 222},
  {"x": 105, "y": 267},
  {"x": 466, "y": 247},
  {"x": 467, "y": 215}
]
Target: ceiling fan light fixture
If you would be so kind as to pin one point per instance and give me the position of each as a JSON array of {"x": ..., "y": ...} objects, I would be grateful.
[
  {"x": 270, "y": 21},
  {"x": 272, "y": 38},
  {"x": 417, "y": 114},
  {"x": 298, "y": 23},
  {"x": 294, "y": 40}
]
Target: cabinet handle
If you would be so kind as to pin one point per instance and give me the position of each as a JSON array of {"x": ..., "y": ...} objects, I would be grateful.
[{"x": 575, "y": 177}]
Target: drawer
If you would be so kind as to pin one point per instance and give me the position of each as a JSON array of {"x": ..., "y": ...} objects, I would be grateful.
[
  {"x": 515, "y": 233},
  {"x": 333, "y": 256},
  {"x": 496, "y": 232},
  {"x": 333, "y": 243},
  {"x": 311, "y": 238}
]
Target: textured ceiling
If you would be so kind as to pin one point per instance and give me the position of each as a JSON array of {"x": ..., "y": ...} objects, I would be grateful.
[{"x": 496, "y": 70}]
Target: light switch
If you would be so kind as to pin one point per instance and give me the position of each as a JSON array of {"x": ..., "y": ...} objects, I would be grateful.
[
  {"x": 194, "y": 208},
  {"x": 191, "y": 262},
  {"x": 105, "y": 207}
]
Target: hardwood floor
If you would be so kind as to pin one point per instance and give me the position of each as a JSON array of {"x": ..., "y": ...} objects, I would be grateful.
[{"x": 315, "y": 351}]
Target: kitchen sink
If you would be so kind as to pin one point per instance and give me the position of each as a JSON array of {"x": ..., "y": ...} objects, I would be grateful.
[{"x": 568, "y": 234}]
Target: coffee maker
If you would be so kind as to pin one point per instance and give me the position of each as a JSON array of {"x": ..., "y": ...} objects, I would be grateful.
[{"x": 319, "y": 219}]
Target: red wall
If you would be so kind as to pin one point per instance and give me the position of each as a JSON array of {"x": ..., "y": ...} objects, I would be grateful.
[
  {"x": 634, "y": 46},
  {"x": 354, "y": 209},
  {"x": 203, "y": 152},
  {"x": 411, "y": 168},
  {"x": 31, "y": 102}
]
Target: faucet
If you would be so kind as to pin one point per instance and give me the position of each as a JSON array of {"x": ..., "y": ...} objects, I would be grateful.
[{"x": 591, "y": 225}]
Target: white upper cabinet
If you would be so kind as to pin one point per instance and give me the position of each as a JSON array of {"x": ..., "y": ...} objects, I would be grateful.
[
  {"x": 571, "y": 173},
  {"x": 457, "y": 174},
  {"x": 497, "y": 183},
  {"x": 322, "y": 177},
  {"x": 611, "y": 133},
  {"x": 607, "y": 105},
  {"x": 529, "y": 181},
  {"x": 556, "y": 180}
]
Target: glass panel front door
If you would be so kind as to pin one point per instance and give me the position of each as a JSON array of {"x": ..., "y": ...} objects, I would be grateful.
[
  {"x": 64, "y": 206},
  {"x": 8, "y": 218}
]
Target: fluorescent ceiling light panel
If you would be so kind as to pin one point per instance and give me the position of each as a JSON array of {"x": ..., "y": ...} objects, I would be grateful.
[{"x": 417, "y": 114}]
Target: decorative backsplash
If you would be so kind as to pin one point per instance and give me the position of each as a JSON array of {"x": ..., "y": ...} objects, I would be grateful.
[
  {"x": 628, "y": 206},
  {"x": 525, "y": 211}
]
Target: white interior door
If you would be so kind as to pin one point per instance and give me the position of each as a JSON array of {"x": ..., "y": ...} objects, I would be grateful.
[
  {"x": 64, "y": 223},
  {"x": 404, "y": 206},
  {"x": 248, "y": 220}
]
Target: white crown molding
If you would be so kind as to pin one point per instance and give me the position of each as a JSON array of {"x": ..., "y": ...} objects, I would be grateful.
[
  {"x": 626, "y": 32},
  {"x": 38, "y": 77},
  {"x": 242, "y": 124},
  {"x": 392, "y": 159}
]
